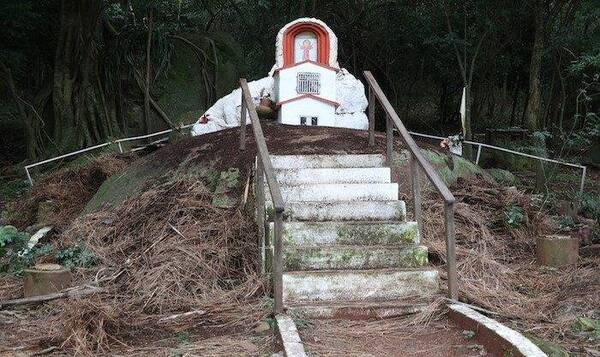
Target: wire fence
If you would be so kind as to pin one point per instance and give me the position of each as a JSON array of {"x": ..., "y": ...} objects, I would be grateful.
[
  {"x": 118, "y": 142},
  {"x": 482, "y": 145},
  {"x": 133, "y": 138}
]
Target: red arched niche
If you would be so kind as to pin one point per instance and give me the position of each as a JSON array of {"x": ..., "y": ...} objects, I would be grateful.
[{"x": 322, "y": 42}]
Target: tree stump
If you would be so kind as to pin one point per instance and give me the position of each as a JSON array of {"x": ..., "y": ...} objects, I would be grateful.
[
  {"x": 557, "y": 250},
  {"x": 45, "y": 279}
]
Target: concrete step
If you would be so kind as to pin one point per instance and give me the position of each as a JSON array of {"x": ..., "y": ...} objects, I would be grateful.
[
  {"x": 348, "y": 233},
  {"x": 352, "y": 257},
  {"x": 337, "y": 192},
  {"x": 327, "y": 161},
  {"x": 330, "y": 175},
  {"x": 356, "y": 310},
  {"x": 359, "y": 285},
  {"x": 346, "y": 211}
]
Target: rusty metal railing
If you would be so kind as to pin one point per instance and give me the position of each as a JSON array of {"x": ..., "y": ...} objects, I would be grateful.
[
  {"x": 264, "y": 169},
  {"x": 417, "y": 161}
]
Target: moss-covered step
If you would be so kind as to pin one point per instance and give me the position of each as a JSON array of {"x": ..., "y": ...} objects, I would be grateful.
[
  {"x": 359, "y": 285},
  {"x": 352, "y": 257},
  {"x": 330, "y": 175},
  {"x": 338, "y": 192},
  {"x": 346, "y": 211},
  {"x": 326, "y": 161},
  {"x": 348, "y": 233}
]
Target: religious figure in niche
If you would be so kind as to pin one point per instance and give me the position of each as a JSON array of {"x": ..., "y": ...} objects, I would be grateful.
[{"x": 305, "y": 47}]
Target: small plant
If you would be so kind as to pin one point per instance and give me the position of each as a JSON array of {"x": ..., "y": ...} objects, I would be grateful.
[
  {"x": 469, "y": 334},
  {"x": 566, "y": 222},
  {"x": 514, "y": 216},
  {"x": 14, "y": 253},
  {"x": 589, "y": 205},
  {"x": 76, "y": 256},
  {"x": 182, "y": 336}
]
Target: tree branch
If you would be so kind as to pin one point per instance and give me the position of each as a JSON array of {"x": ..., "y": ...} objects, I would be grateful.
[{"x": 463, "y": 70}]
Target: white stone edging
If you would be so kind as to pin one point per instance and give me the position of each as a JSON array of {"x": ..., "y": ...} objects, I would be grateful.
[
  {"x": 288, "y": 333},
  {"x": 522, "y": 344}
]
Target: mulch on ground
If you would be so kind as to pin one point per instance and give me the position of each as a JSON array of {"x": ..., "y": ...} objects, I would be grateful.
[{"x": 392, "y": 337}]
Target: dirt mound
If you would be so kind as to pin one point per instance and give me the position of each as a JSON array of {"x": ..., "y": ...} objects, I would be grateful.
[
  {"x": 58, "y": 198},
  {"x": 169, "y": 260},
  {"x": 219, "y": 151}
]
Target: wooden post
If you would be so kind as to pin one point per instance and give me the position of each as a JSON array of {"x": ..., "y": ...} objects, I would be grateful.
[
  {"x": 389, "y": 140},
  {"x": 371, "y": 114},
  {"x": 260, "y": 212},
  {"x": 451, "y": 250},
  {"x": 416, "y": 191},
  {"x": 278, "y": 263},
  {"x": 243, "y": 124}
]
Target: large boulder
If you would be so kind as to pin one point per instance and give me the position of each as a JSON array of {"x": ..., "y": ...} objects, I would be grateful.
[{"x": 225, "y": 113}]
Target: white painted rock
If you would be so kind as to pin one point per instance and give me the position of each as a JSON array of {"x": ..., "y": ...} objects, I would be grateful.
[
  {"x": 225, "y": 113},
  {"x": 350, "y": 94}
]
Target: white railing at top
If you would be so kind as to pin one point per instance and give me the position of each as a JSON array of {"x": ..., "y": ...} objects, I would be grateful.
[
  {"x": 118, "y": 142},
  {"x": 480, "y": 145}
]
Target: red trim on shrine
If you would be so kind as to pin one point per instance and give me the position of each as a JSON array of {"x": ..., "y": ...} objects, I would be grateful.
[
  {"x": 308, "y": 95},
  {"x": 307, "y": 61},
  {"x": 322, "y": 42}
]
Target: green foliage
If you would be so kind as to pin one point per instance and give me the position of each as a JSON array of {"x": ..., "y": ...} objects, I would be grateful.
[
  {"x": 590, "y": 327},
  {"x": 75, "y": 256},
  {"x": 182, "y": 336},
  {"x": 514, "y": 216},
  {"x": 14, "y": 253},
  {"x": 551, "y": 349},
  {"x": 588, "y": 204},
  {"x": 566, "y": 221}
]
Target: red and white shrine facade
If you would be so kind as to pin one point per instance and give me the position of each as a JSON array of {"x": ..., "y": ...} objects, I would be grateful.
[{"x": 305, "y": 74}]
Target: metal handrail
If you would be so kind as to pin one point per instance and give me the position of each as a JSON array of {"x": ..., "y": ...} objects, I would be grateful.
[
  {"x": 264, "y": 169},
  {"x": 416, "y": 160}
]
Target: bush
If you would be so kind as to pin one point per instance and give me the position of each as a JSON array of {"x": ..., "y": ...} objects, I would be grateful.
[{"x": 14, "y": 252}]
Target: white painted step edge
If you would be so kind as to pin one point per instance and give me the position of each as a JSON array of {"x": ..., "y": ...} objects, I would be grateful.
[
  {"x": 338, "y": 192},
  {"x": 327, "y": 161},
  {"x": 333, "y": 175},
  {"x": 346, "y": 211},
  {"x": 359, "y": 285},
  {"x": 512, "y": 337}
]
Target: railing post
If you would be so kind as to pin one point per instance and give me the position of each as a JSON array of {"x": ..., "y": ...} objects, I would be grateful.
[
  {"x": 371, "y": 114},
  {"x": 451, "y": 250},
  {"x": 243, "y": 124},
  {"x": 278, "y": 263},
  {"x": 416, "y": 191},
  {"x": 478, "y": 155},
  {"x": 260, "y": 212},
  {"x": 389, "y": 140}
]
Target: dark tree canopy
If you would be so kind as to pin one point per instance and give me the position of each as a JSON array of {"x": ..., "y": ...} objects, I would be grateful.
[{"x": 75, "y": 73}]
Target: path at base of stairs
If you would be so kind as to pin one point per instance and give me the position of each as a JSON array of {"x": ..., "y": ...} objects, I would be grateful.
[{"x": 391, "y": 337}]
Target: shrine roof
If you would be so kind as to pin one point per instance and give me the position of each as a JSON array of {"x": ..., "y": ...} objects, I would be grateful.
[
  {"x": 311, "y": 96},
  {"x": 304, "y": 62}
]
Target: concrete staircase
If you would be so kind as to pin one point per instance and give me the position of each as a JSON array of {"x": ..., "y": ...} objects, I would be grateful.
[{"x": 348, "y": 250}]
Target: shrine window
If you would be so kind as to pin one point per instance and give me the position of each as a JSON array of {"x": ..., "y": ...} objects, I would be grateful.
[{"x": 308, "y": 82}]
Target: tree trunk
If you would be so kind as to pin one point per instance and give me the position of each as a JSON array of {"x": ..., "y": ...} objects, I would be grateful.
[
  {"x": 79, "y": 118},
  {"x": 533, "y": 110},
  {"x": 148, "y": 68}
]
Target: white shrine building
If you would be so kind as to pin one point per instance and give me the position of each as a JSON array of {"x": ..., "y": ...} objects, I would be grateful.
[
  {"x": 305, "y": 74},
  {"x": 306, "y": 83}
]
